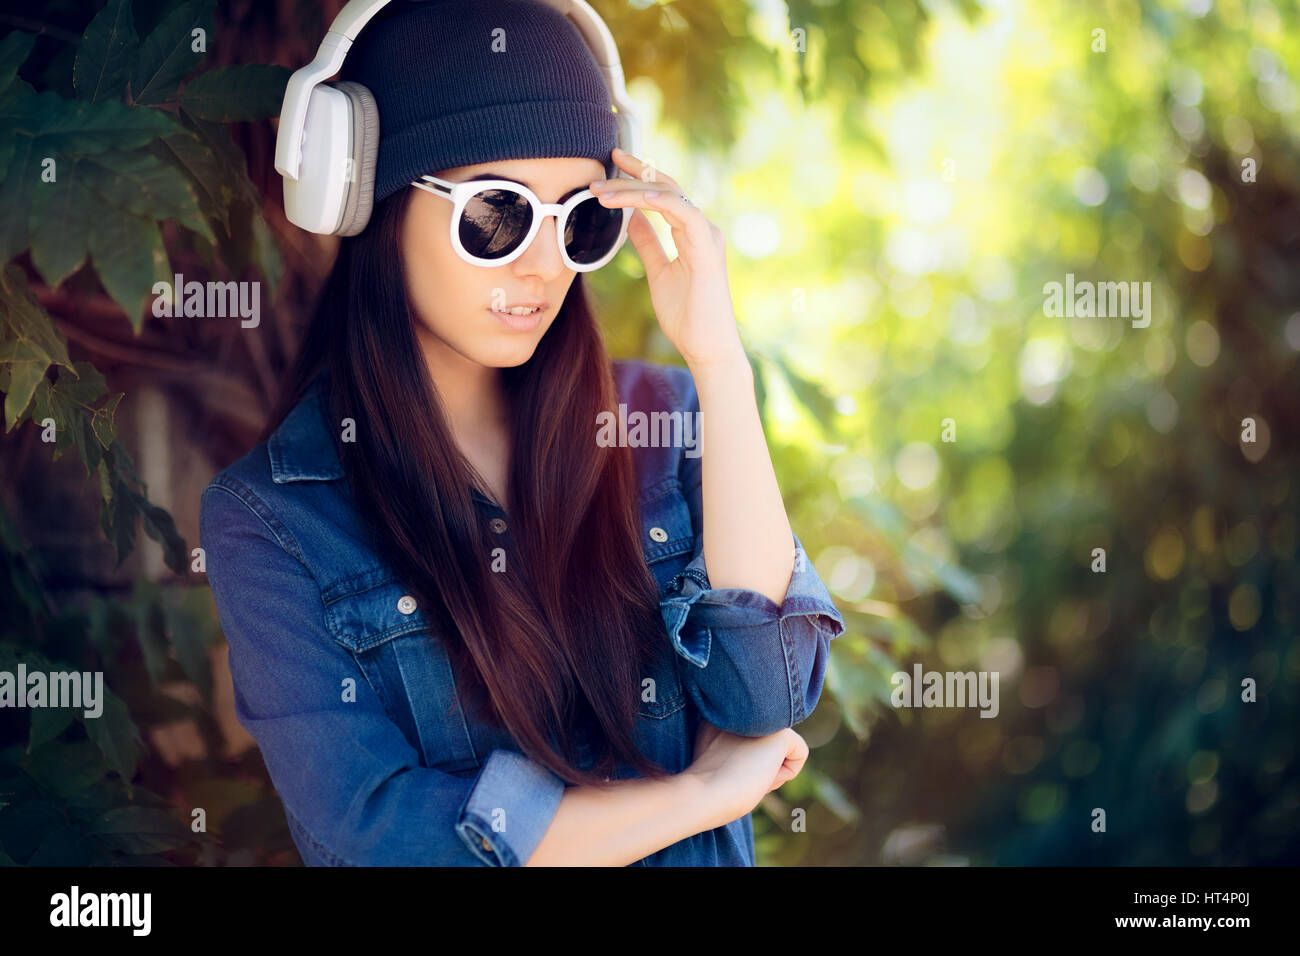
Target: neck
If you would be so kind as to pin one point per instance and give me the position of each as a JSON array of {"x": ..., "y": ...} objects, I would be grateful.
[
  {"x": 472, "y": 395},
  {"x": 473, "y": 399}
]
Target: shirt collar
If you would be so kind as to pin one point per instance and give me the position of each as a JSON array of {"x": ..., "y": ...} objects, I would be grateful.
[{"x": 302, "y": 448}]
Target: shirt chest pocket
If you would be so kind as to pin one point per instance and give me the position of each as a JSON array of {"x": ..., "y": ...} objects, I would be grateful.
[
  {"x": 668, "y": 538},
  {"x": 405, "y": 661}
]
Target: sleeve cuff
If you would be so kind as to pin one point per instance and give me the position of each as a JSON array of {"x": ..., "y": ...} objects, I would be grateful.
[
  {"x": 693, "y": 608},
  {"x": 509, "y": 809}
]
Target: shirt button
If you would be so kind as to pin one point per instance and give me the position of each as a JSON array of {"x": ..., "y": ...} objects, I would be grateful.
[
  {"x": 406, "y": 604},
  {"x": 498, "y": 525},
  {"x": 658, "y": 534}
]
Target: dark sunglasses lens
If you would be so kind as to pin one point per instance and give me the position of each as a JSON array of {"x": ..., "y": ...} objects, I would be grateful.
[
  {"x": 494, "y": 222},
  {"x": 592, "y": 230}
]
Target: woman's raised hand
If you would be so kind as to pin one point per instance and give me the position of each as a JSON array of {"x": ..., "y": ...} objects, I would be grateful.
[{"x": 690, "y": 294}]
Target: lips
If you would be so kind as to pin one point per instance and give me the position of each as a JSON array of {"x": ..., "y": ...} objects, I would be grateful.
[
  {"x": 522, "y": 308},
  {"x": 527, "y": 322}
]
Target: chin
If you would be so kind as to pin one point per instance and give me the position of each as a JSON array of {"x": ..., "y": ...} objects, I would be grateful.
[{"x": 509, "y": 355}]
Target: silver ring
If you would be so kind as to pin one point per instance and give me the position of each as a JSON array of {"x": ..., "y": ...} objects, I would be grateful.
[{"x": 686, "y": 199}]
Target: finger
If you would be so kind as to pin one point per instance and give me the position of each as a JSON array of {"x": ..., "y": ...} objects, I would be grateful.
[
  {"x": 795, "y": 765},
  {"x": 640, "y": 170},
  {"x": 662, "y": 182},
  {"x": 607, "y": 186},
  {"x": 787, "y": 772},
  {"x": 797, "y": 748},
  {"x": 784, "y": 775},
  {"x": 646, "y": 242},
  {"x": 691, "y": 228},
  {"x": 687, "y": 219}
]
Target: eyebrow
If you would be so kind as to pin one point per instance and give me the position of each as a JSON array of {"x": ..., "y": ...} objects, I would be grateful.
[{"x": 572, "y": 192}]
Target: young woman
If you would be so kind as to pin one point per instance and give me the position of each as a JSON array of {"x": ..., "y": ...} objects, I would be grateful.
[{"x": 465, "y": 627}]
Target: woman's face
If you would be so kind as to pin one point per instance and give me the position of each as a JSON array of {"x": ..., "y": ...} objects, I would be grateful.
[{"x": 453, "y": 300}]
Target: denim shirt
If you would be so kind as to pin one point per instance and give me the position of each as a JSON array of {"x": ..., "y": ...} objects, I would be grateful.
[{"x": 347, "y": 688}]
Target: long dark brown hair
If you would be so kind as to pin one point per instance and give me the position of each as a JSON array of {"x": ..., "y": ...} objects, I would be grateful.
[{"x": 563, "y": 637}]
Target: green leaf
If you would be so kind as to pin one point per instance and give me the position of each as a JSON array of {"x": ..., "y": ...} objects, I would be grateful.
[
  {"x": 958, "y": 582},
  {"x": 88, "y": 446},
  {"x": 47, "y": 724},
  {"x": 879, "y": 513},
  {"x": 22, "y": 180},
  {"x": 81, "y": 383},
  {"x": 193, "y": 628},
  {"x": 72, "y": 422},
  {"x": 266, "y": 254},
  {"x": 33, "y": 344},
  {"x": 69, "y": 768},
  {"x": 858, "y": 676},
  {"x": 230, "y": 94},
  {"x": 833, "y": 796},
  {"x": 166, "y": 55},
  {"x": 27, "y": 321},
  {"x": 231, "y": 163},
  {"x": 100, "y": 613},
  {"x": 117, "y": 515},
  {"x": 28, "y": 813},
  {"x": 811, "y": 396},
  {"x": 204, "y": 174},
  {"x": 83, "y": 127},
  {"x": 160, "y": 526},
  {"x": 116, "y": 736},
  {"x": 14, "y": 50},
  {"x": 106, "y": 53},
  {"x": 101, "y": 422},
  {"x": 219, "y": 172},
  {"x": 122, "y": 250},
  {"x": 62, "y": 845},
  {"x": 25, "y": 576},
  {"x": 896, "y": 629},
  {"x": 142, "y": 184},
  {"x": 140, "y": 830},
  {"x": 44, "y": 406},
  {"x": 7, "y": 149},
  {"x": 26, "y": 368},
  {"x": 105, "y": 473},
  {"x": 63, "y": 214},
  {"x": 123, "y": 462}
]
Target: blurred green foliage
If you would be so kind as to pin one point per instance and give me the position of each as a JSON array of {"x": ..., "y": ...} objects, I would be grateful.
[
  {"x": 91, "y": 159},
  {"x": 899, "y": 195}
]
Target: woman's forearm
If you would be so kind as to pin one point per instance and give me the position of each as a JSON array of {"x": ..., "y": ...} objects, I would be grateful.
[
  {"x": 747, "y": 538},
  {"x": 620, "y": 822}
]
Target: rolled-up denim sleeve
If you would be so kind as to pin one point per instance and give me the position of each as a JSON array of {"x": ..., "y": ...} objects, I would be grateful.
[
  {"x": 754, "y": 667},
  {"x": 351, "y": 783}
]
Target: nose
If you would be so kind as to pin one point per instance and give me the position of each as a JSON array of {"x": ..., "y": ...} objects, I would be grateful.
[{"x": 542, "y": 257}]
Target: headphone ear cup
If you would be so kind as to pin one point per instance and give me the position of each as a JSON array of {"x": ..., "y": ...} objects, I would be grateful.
[{"x": 363, "y": 153}]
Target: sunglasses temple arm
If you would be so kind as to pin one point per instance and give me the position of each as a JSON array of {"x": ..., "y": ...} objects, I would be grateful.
[{"x": 437, "y": 188}]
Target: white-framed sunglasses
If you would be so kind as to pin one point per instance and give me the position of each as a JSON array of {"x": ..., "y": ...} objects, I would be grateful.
[{"x": 494, "y": 220}]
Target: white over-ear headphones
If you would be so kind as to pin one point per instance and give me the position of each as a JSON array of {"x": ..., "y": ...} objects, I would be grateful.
[{"x": 328, "y": 137}]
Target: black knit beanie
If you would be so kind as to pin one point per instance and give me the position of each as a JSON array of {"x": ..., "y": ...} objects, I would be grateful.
[{"x": 458, "y": 82}]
